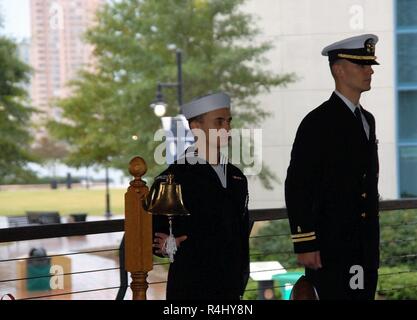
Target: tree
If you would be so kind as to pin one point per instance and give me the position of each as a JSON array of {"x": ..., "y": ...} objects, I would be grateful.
[
  {"x": 49, "y": 152},
  {"x": 14, "y": 115},
  {"x": 133, "y": 41},
  {"x": 272, "y": 242}
]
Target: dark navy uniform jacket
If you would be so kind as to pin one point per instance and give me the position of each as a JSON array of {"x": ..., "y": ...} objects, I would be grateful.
[
  {"x": 331, "y": 186},
  {"x": 213, "y": 263}
]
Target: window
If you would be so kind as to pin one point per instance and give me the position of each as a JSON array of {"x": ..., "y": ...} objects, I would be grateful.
[
  {"x": 407, "y": 104},
  {"x": 407, "y": 96},
  {"x": 408, "y": 172},
  {"x": 407, "y": 57},
  {"x": 406, "y": 13}
]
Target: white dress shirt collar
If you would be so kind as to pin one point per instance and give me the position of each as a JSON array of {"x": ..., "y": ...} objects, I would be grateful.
[{"x": 349, "y": 103}]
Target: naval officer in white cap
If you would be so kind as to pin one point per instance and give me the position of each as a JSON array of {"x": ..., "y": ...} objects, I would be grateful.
[
  {"x": 331, "y": 189},
  {"x": 212, "y": 261}
]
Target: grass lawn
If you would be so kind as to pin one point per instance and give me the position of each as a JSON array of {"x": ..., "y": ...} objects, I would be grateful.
[{"x": 64, "y": 201}]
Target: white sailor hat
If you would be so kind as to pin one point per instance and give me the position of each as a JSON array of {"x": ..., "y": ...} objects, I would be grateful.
[
  {"x": 358, "y": 49},
  {"x": 205, "y": 104}
]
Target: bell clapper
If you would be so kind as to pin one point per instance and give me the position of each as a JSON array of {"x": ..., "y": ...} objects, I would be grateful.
[{"x": 170, "y": 243}]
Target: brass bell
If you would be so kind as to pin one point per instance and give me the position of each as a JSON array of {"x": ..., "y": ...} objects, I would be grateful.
[{"x": 168, "y": 201}]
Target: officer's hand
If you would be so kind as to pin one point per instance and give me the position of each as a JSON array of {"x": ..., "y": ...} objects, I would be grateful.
[
  {"x": 310, "y": 260},
  {"x": 160, "y": 240}
]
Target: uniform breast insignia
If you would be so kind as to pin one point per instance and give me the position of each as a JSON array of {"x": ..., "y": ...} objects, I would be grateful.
[{"x": 237, "y": 178}]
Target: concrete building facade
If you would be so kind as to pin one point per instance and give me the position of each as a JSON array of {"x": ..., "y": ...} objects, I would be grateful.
[{"x": 299, "y": 30}]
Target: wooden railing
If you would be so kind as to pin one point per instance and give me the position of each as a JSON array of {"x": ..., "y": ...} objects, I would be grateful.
[
  {"x": 118, "y": 225},
  {"x": 136, "y": 249},
  {"x": 99, "y": 227}
]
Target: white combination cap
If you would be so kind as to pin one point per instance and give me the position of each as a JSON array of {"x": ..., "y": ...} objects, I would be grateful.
[{"x": 359, "y": 49}]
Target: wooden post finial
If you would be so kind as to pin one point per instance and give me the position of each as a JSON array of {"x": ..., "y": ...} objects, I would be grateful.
[
  {"x": 137, "y": 167},
  {"x": 138, "y": 230}
]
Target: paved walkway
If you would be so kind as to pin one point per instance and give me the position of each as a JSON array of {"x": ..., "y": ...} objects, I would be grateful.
[{"x": 80, "y": 263}]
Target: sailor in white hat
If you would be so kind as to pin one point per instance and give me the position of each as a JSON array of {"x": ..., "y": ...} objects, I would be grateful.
[
  {"x": 215, "y": 193},
  {"x": 202, "y": 105},
  {"x": 331, "y": 189},
  {"x": 209, "y": 118}
]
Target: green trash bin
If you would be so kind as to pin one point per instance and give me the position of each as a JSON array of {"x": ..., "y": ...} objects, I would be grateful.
[
  {"x": 38, "y": 270},
  {"x": 286, "y": 281}
]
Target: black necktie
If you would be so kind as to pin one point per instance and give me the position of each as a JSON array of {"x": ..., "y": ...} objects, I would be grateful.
[{"x": 358, "y": 115}]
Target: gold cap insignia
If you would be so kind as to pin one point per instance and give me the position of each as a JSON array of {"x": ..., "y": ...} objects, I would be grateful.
[{"x": 370, "y": 46}]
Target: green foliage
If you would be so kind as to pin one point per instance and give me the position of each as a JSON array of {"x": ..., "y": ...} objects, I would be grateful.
[
  {"x": 397, "y": 283},
  {"x": 398, "y": 240},
  {"x": 273, "y": 243},
  {"x": 47, "y": 150},
  {"x": 398, "y": 237},
  {"x": 132, "y": 42},
  {"x": 251, "y": 291},
  {"x": 398, "y": 251},
  {"x": 14, "y": 115}
]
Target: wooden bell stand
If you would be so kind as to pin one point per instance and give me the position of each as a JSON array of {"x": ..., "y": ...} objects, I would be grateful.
[{"x": 138, "y": 231}]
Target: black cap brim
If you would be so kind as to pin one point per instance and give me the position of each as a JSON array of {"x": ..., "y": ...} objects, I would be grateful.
[{"x": 364, "y": 62}]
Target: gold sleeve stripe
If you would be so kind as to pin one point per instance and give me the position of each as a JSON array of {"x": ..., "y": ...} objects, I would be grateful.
[
  {"x": 304, "y": 239},
  {"x": 302, "y": 235},
  {"x": 350, "y": 56}
]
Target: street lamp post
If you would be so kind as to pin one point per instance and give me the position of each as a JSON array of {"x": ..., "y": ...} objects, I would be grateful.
[
  {"x": 108, "y": 213},
  {"x": 179, "y": 76},
  {"x": 176, "y": 126},
  {"x": 159, "y": 105}
]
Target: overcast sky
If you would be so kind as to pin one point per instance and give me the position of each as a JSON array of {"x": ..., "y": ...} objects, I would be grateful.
[{"x": 16, "y": 18}]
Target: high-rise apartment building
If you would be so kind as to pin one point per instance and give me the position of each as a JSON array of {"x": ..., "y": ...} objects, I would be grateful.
[{"x": 58, "y": 49}]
